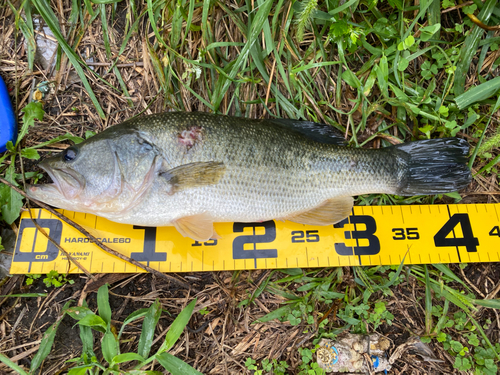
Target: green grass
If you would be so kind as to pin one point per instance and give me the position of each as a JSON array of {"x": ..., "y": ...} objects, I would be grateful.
[
  {"x": 381, "y": 72},
  {"x": 114, "y": 360}
]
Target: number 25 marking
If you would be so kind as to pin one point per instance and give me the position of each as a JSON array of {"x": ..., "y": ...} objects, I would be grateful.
[{"x": 311, "y": 236}]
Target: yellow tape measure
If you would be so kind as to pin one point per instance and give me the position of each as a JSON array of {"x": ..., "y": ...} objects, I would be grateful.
[{"x": 372, "y": 235}]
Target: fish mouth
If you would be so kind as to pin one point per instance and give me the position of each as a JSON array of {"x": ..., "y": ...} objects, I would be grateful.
[{"x": 66, "y": 183}]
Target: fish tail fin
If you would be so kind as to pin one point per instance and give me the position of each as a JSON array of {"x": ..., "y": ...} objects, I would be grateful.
[{"x": 435, "y": 166}]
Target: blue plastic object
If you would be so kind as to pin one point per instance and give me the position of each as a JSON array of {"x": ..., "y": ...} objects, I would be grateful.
[{"x": 8, "y": 124}]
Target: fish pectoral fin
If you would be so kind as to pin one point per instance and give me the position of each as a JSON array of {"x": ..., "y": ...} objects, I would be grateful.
[
  {"x": 198, "y": 227},
  {"x": 329, "y": 212},
  {"x": 193, "y": 175}
]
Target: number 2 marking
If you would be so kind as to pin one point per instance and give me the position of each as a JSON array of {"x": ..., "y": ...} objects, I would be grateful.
[{"x": 239, "y": 242}]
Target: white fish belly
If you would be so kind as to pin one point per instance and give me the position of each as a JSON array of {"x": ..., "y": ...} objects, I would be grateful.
[{"x": 251, "y": 197}]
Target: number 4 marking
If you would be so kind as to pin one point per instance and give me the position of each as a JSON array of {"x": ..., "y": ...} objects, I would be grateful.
[
  {"x": 468, "y": 240},
  {"x": 495, "y": 231}
]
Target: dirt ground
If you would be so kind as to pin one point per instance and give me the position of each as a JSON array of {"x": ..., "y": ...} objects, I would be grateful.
[
  {"x": 220, "y": 341},
  {"x": 215, "y": 343}
]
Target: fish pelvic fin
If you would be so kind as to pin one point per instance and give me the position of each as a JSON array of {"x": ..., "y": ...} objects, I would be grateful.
[
  {"x": 435, "y": 166},
  {"x": 329, "y": 212},
  {"x": 193, "y": 175},
  {"x": 198, "y": 227}
]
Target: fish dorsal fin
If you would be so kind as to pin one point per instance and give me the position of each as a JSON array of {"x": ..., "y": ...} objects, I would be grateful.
[
  {"x": 318, "y": 132},
  {"x": 329, "y": 212},
  {"x": 198, "y": 227},
  {"x": 193, "y": 175}
]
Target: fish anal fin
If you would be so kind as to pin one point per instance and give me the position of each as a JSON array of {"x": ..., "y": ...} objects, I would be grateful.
[
  {"x": 198, "y": 227},
  {"x": 193, "y": 175},
  {"x": 329, "y": 212}
]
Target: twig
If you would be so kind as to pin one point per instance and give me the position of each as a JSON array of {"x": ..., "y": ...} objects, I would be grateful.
[
  {"x": 482, "y": 193},
  {"x": 95, "y": 240},
  {"x": 124, "y": 65},
  {"x": 274, "y": 62},
  {"x": 457, "y": 6}
]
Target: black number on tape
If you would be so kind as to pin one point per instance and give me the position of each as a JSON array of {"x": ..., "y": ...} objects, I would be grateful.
[
  {"x": 149, "y": 253},
  {"x": 405, "y": 233},
  {"x": 53, "y": 227},
  {"x": 208, "y": 243},
  {"x": 468, "y": 240},
  {"x": 495, "y": 231},
  {"x": 310, "y": 236},
  {"x": 239, "y": 242},
  {"x": 373, "y": 246}
]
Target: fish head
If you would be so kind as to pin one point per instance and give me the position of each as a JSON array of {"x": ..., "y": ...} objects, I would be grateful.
[{"x": 106, "y": 173}]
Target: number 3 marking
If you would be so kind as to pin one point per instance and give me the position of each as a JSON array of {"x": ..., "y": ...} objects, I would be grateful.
[{"x": 373, "y": 246}]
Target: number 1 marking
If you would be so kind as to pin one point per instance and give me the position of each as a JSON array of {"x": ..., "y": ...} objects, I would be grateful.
[{"x": 149, "y": 253}]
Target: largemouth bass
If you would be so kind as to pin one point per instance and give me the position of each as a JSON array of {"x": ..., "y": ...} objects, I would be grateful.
[{"x": 190, "y": 170}]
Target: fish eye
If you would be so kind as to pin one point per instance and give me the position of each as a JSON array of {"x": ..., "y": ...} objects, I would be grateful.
[{"x": 70, "y": 154}]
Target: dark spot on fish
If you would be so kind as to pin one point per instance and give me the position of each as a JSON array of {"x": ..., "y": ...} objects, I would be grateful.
[
  {"x": 191, "y": 136},
  {"x": 354, "y": 164}
]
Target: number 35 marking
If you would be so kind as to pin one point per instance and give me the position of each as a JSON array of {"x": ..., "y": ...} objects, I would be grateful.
[{"x": 411, "y": 234}]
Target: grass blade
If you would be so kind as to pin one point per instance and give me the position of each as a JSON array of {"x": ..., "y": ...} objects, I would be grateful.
[
  {"x": 428, "y": 303},
  {"x": 109, "y": 346},
  {"x": 126, "y": 357},
  {"x": 478, "y": 145},
  {"x": 255, "y": 30},
  {"x": 87, "y": 337},
  {"x": 478, "y": 93},
  {"x": 491, "y": 303},
  {"x": 129, "y": 319},
  {"x": 175, "y": 365},
  {"x": 51, "y": 20},
  {"x": 107, "y": 46},
  {"x": 490, "y": 164},
  {"x": 178, "y": 326},
  {"x": 434, "y": 17},
  {"x": 469, "y": 48},
  {"x": 79, "y": 312},
  {"x": 103, "y": 304},
  {"x": 148, "y": 329},
  {"x": 27, "y": 295},
  {"x": 275, "y": 314},
  {"x": 13, "y": 200},
  {"x": 446, "y": 270},
  {"x": 46, "y": 343},
  {"x": 442, "y": 320},
  {"x": 12, "y": 365}
]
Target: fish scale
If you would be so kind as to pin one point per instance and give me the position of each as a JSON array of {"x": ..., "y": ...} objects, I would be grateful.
[
  {"x": 193, "y": 169},
  {"x": 263, "y": 182}
]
